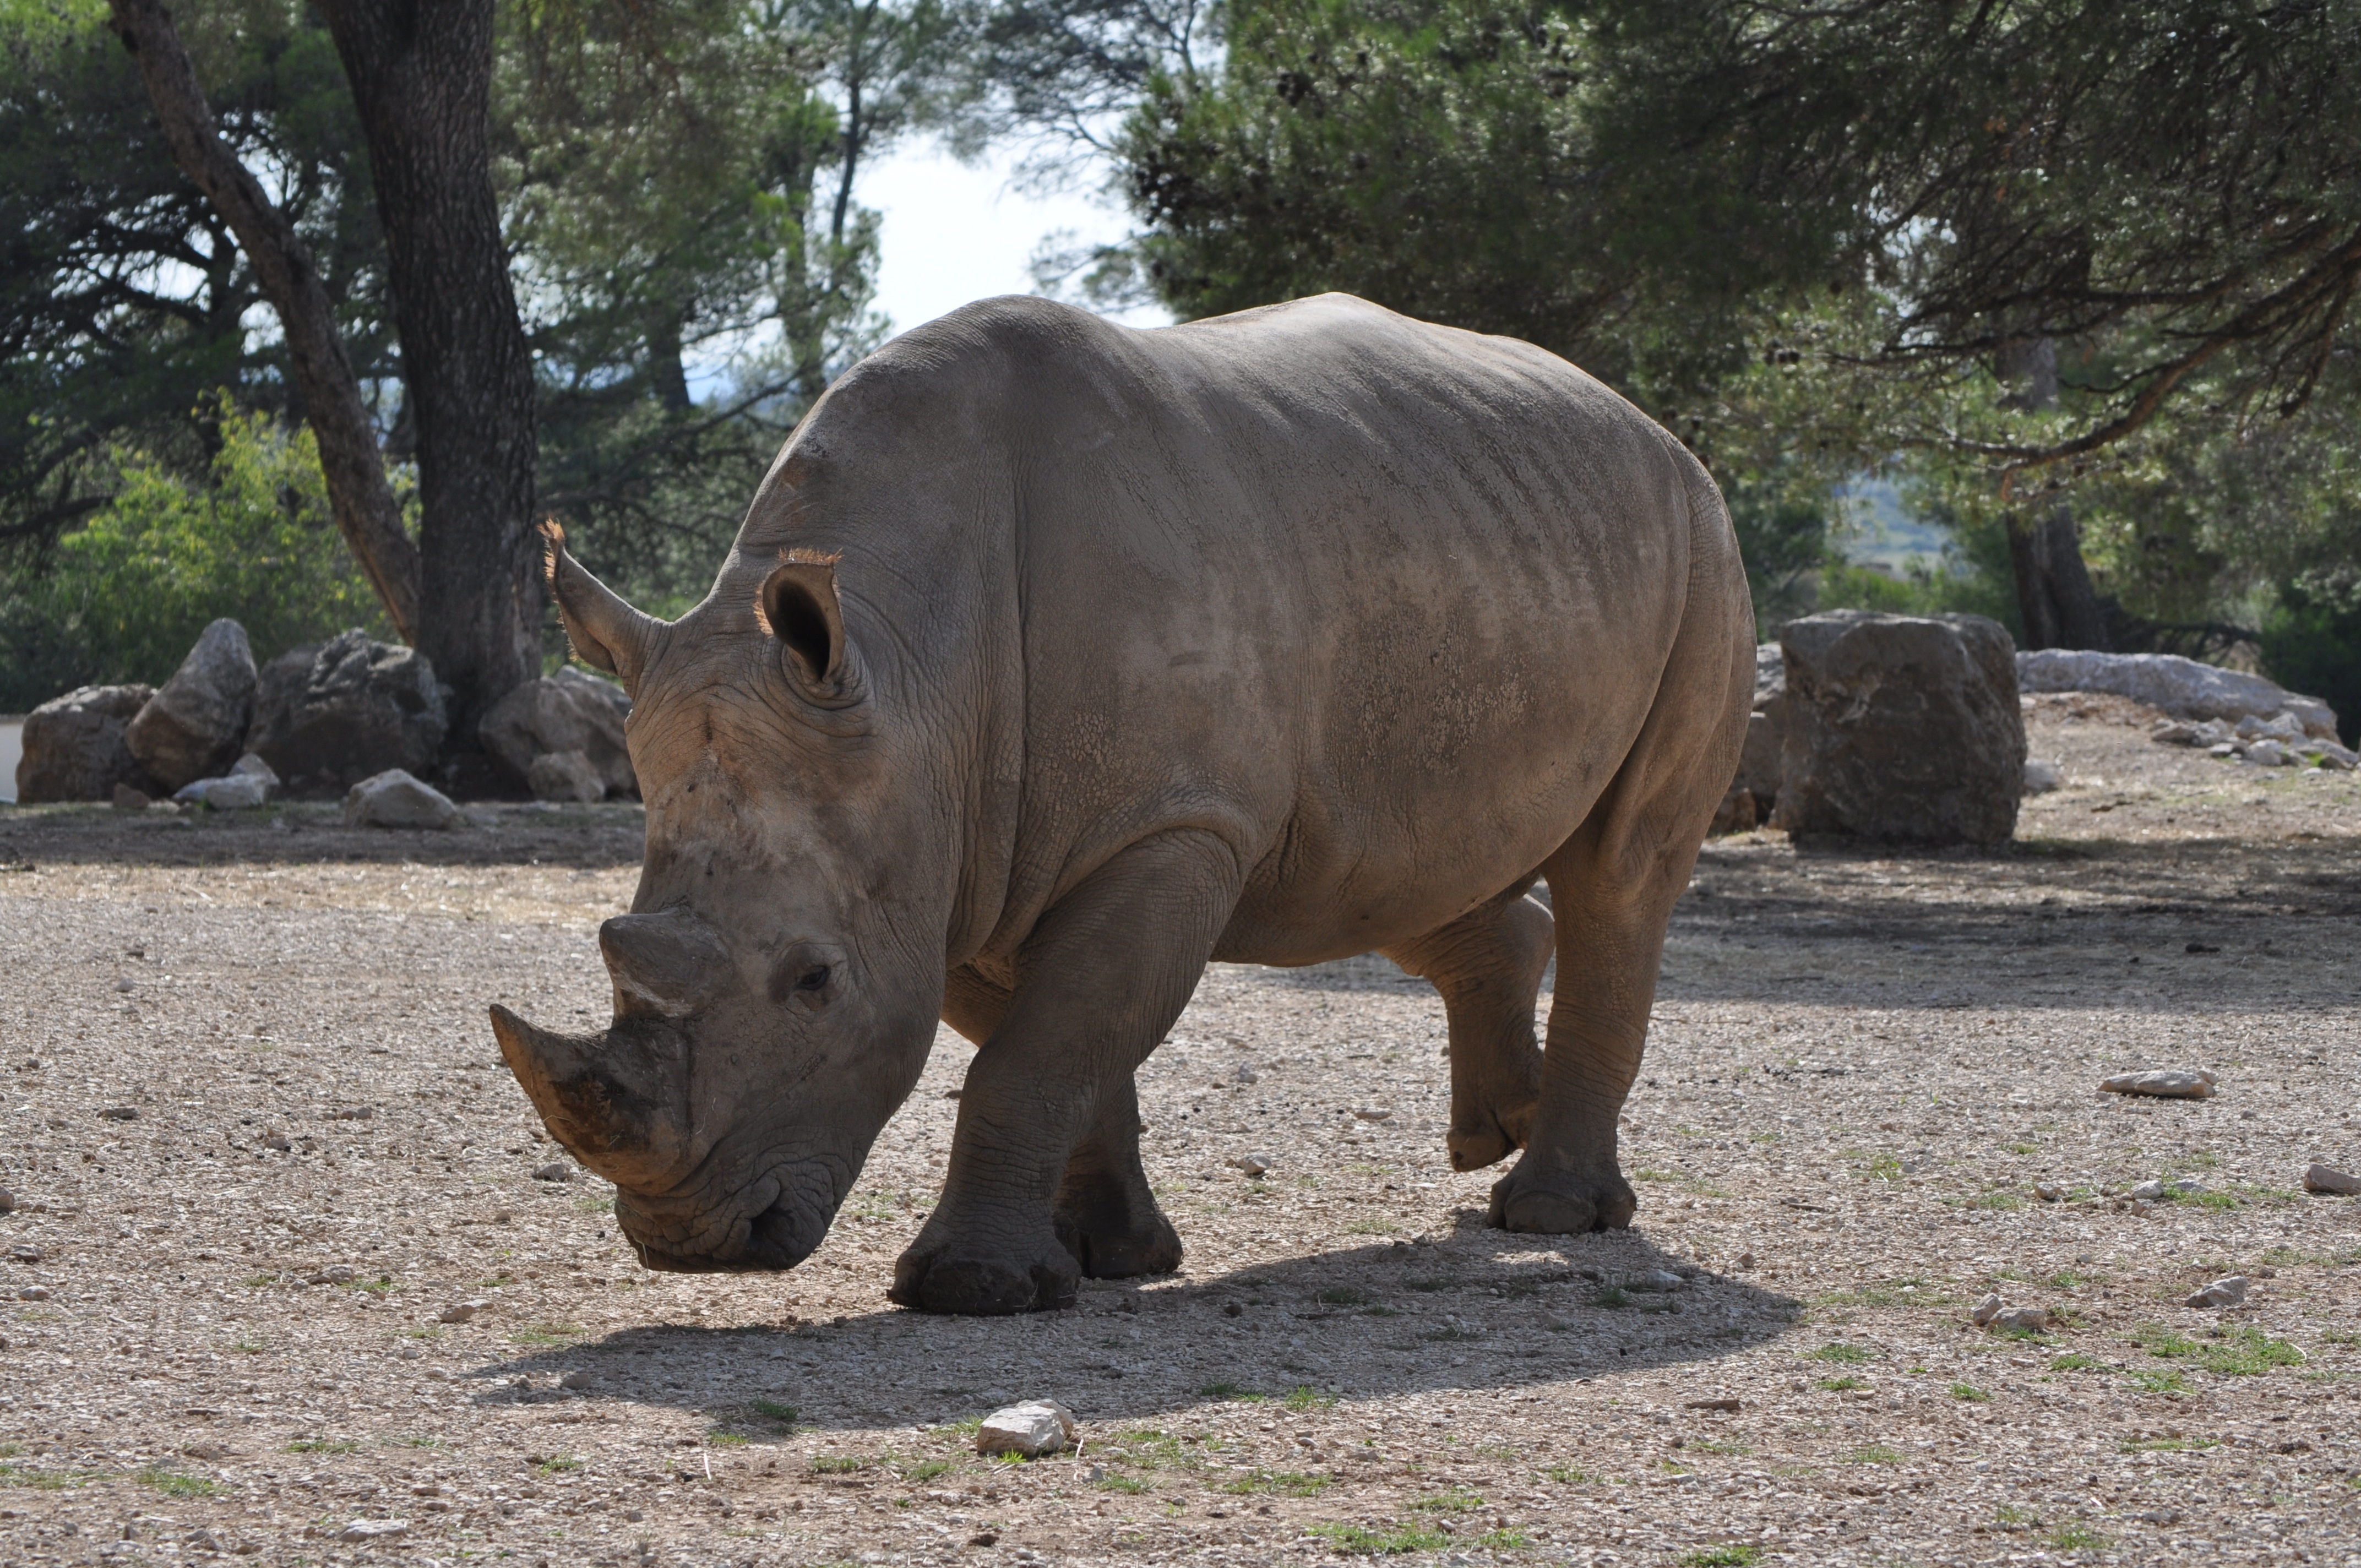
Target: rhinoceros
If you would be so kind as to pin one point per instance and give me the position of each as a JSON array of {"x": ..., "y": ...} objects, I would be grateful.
[{"x": 1055, "y": 659}]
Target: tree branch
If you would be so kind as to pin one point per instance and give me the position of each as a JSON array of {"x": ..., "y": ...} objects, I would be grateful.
[{"x": 359, "y": 493}]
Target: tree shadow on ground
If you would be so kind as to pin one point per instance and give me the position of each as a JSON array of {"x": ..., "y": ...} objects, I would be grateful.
[{"x": 1479, "y": 1311}]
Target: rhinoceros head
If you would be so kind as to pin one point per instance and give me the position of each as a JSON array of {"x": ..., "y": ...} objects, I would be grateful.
[{"x": 774, "y": 990}]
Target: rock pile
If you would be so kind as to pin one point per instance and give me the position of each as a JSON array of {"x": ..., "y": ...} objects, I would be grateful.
[
  {"x": 2181, "y": 687},
  {"x": 1901, "y": 729},
  {"x": 315, "y": 721}
]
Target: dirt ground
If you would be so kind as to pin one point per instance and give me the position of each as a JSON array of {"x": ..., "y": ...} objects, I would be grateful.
[{"x": 220, "y": 1313}]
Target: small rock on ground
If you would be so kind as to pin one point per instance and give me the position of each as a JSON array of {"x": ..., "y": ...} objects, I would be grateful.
[
  {"x": 2323, "y": 1179},
  {"x": 1032, "y": 1429},
  {"x": 2230, "y": 1290},
  {"x": 2167, "y": 1083}
]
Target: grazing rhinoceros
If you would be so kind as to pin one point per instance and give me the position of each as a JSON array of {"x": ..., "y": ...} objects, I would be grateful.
[{"x": 1055, "y": 659}]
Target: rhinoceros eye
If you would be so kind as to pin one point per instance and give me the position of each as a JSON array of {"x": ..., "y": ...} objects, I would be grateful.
[{"x": 815, "y": 978}]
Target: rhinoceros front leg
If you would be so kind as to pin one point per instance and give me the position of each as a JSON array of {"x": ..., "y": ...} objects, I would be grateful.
[
  {"x": 1098, "y": 984},
  {"x": 1104, "y": 1211},
  {"x": 1488, "y": 965}
]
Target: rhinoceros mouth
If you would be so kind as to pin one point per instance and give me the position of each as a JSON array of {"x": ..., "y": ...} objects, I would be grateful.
[{"x": 733, "y": 1238}]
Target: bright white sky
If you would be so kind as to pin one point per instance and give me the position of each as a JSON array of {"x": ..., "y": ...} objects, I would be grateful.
[{"x": 953, "y": 232}]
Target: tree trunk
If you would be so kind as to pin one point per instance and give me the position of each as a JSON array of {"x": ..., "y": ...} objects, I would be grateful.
[
  {"x": 2054, "y": 596},
  {"x": 323, "y": 390},
  {"x": 420, "y": 75}
]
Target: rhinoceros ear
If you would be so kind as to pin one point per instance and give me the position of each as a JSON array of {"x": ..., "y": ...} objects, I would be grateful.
[
  {"x": 604, "y": 630},
  {"x": 799, "y": 607}
]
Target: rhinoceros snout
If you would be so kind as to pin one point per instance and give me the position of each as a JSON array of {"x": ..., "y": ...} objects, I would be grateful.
[{"x": 667, "y": 964}]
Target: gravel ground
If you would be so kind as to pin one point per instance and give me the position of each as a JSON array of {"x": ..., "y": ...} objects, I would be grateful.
[{"x": 220, "y": 1313}]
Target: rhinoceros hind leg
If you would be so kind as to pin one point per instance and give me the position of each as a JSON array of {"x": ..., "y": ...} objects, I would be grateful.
[
  {"x": 1612, "y": 888},
  {"x": 1105, "y": 1213},
  {"x": 1488, "y": 965}
]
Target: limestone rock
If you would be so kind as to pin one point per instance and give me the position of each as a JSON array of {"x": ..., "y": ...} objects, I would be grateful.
[
  {"x": 327, "y": 718},
  {"x": 570, "y": 711},
  {"x": 1032, "y": 1429},
  {"x": 247, "y": 784},
  {"x": 461, "y": 1311},
  {"x": 1901, "y": 729},
  {"x": 197, "y": 721},
  {"x": 1991, "y": 1313},
  {"x": 2181, "y": 687},
  {"x": 566, "y": 775},
  {"x": 73, "y": 746},
  {"x": 556, "y": 1170},
  {"x": 2041, "y": 777},
  {"x": 395, "y": 799},
  {"x": 2164, "y": 1083},
  {"x": 2230, "y": 1290},
  {"x": 2316, "y": 1178},
  {"x": 374, "y": 1531}
]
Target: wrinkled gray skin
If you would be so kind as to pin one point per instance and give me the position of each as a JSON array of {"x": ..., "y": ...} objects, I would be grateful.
[{"x": 1102, "y": 653}]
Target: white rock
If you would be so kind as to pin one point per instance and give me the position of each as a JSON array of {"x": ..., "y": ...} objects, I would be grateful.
[
  {"x": 461, "y": 1311},
  {"x": 2034, "y": 1319},
  {"x": 1032, "y": 1429},
  {"x": 231, "y": 792},
  {"x": 2048, "y": 1191},
  {"x": 395, "y": 799},
  {"x": 1246, "y": 1073},
  {"x": 1367, "y": 1114},
  {"x": 2227, "y": 1291},
  {"x": 2316, "y": 1178},
  {"x": 1985, "y": 1311},
  {"x": 2182, "y": 687},
  {"x": 1253, "y": 1164},
  {"x": 2169, "y": 1083},
  {"x": 2149, "y": 1191},
  {"x": 2269, "y": 754},
  {"x": 374, "y": 1530},
  {"x": 2041, "y": 777}
]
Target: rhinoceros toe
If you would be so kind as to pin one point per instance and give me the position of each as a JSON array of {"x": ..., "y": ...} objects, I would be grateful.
[
  {"x": 1562, "y": 1202},
  {"x": 983, "y": 1286}
]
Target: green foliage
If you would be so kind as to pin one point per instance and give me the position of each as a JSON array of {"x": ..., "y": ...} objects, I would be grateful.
[
  {"x": 1362, "y": 1541},
  {"x": 2311, "y": 643},
  {"x": 1722, "y": 1557},
  {"x": 1970, "y": 1393},
  {"x": 122, "y": 598},
  {"x": 176, "y": 1484},
  {"x": 1279, "y": 1483},
  {"x": 1847, "y": 1355},
  {"x": 323, "y": 1445}
]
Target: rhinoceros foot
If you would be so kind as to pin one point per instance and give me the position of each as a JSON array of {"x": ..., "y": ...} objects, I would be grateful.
[
  {"x": 1490, "y": 1135},
  {"x": 1562, "y": 1202},
  {"x": 1110, "y": 1250},
  {"x": 984, "y": 1287}
]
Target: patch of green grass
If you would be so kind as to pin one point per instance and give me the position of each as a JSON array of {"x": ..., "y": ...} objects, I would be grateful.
[
  {"x": 2022, "y": 1148},
  {"x": 838, "y": 1464},
  {"x": 381, "y": 1286},
  {"x": 1458, "y": 1500},
  {"x": 2160, "y": 1382},
  {"x": 2247, "y": 1353},
  {"x": 1874, "y": 1453},
  {"x": 1363, "y": 1542},
  {"x": 2209, "y": 1200},
  {"x": 2075, "y": 1361},
  {"x": 42, "y": 1480},
  {"x": 925, "y": 1470},
  {"x": 1651, "y": 1175},
  {"x": 1373, "y": 1228},
  {"x": 1839, "y": 1384},
  {"x": 1996, "y": 1200},
  {"x": 1345, "y": 1296},
  {"x": 1709, "y": 1445},
  {"x": 1885, "y": 1167},
  {"x": 1840, "y": 1351},
  {"x": 2078, "y": 1537},
  {"x": 1303, "y": 1397},
  {"x": 595, "y": 1205},
  {"x": 1721, "y": 1557},
  {"x": 722, "y": 1437},
  {"x": 546, "y": 1333},
  {"x": 1568, "y": 1475},
  {"x": 323, "y": 1445},
  {"x": 2170, "y": 1444},
  {"x": 1123, "y": 1484},
  {"x": 1970, "y": 1392},
  {"x": 256, "y": 1281},
  {"x": 2009, "y": 1513},
  {"x": 248, "y": 1346},
  {"x": 558, "y": 1463},
  {"x": 419, "y": 1441},
  {"x": 176, "y": 1484},
  {"x": 1278, "y": 1482},
  {"x": 1503, "y": 1540},
  {"x": 1611, "y": 1298},
  {"x": 776, "y": 1413},
  {"x": 1226, "y": 1391}
]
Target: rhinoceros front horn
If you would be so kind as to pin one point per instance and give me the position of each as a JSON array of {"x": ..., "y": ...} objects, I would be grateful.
[{"x": 617, "y": 1102}]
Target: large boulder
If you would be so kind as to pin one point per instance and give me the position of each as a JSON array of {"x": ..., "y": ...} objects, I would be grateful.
[
  {"x": 196, "y": 724},
  {"x": 1903, "y": 728},
  {"x": 326, "y": 718},
  {"x": 73, "y": 747},
  {"x": 570, "y": 711},
  {"x": 2181, "y": 687}
]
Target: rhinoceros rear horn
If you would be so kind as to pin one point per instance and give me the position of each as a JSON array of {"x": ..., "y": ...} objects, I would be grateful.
[{"x": 605, "y": 630}]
